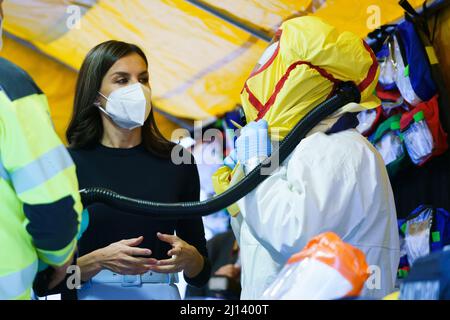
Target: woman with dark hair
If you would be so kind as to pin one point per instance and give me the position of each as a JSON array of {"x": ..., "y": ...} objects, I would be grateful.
[{"x": 115, "y": 144}]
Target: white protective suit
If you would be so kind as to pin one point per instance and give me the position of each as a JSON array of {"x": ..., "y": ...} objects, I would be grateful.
[
  {"x": 335, "y": 182},
  {"x": 312, "y": 192}
]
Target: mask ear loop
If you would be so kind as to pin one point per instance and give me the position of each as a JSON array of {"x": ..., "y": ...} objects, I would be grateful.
[
  {"x": 103, "y": 95},
  {"x": 98, "y": 104},
  {"x": 104, "y": 111}
]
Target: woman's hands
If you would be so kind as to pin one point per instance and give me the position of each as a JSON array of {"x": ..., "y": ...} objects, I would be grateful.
[
  {"x": 120, "y": 257},
  {"x": 123, "y": 257},
  {"x": 184, "y": 258}
]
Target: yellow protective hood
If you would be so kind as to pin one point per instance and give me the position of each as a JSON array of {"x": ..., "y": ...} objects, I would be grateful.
[{"x": 310, "y": 59}]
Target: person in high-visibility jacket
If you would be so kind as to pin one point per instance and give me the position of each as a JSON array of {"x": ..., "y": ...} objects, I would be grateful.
[{"x": 40, "y": 208}]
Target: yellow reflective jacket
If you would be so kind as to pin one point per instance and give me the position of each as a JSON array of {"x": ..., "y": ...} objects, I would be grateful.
[{"x": 40, "y": 208}]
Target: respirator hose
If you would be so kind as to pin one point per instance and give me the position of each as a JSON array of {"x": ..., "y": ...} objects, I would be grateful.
[{"x": 345, "y": 93}]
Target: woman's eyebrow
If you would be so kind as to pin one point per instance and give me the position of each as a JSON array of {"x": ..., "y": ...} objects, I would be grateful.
[{"x": 120, "y": 73}]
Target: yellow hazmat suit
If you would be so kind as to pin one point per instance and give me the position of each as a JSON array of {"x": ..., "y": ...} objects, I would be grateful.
[
  {"x": 336, "y": 182},
  {"x": 311, "y": 57}
]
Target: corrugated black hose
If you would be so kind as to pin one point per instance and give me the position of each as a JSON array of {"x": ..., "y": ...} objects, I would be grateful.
[{"x": 345, "y": 93}]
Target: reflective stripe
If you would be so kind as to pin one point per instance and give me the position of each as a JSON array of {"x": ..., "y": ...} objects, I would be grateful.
[
  {"x": 54, "y": 258},
  {"x": 42, "y": 169},
  {"x": 3, "y": 173},
  {"x": 15, "y": 284}
]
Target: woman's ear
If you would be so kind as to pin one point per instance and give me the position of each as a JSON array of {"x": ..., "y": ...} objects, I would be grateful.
[{"x": 97, "y": 102}]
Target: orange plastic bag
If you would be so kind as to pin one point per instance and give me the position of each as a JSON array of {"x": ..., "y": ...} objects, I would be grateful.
[{"x": 327, "y": 268}]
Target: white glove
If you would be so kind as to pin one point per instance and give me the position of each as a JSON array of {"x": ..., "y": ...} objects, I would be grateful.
[
  {"x": 231, "y": 160},
  {"x": 253, "y": 145}
]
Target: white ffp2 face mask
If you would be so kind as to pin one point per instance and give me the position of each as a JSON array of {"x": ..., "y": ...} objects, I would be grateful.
[{"x": 129, "y": 106}]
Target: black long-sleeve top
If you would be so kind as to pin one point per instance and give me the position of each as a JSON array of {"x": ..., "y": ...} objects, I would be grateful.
[{"x": 139, "y": 174}]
